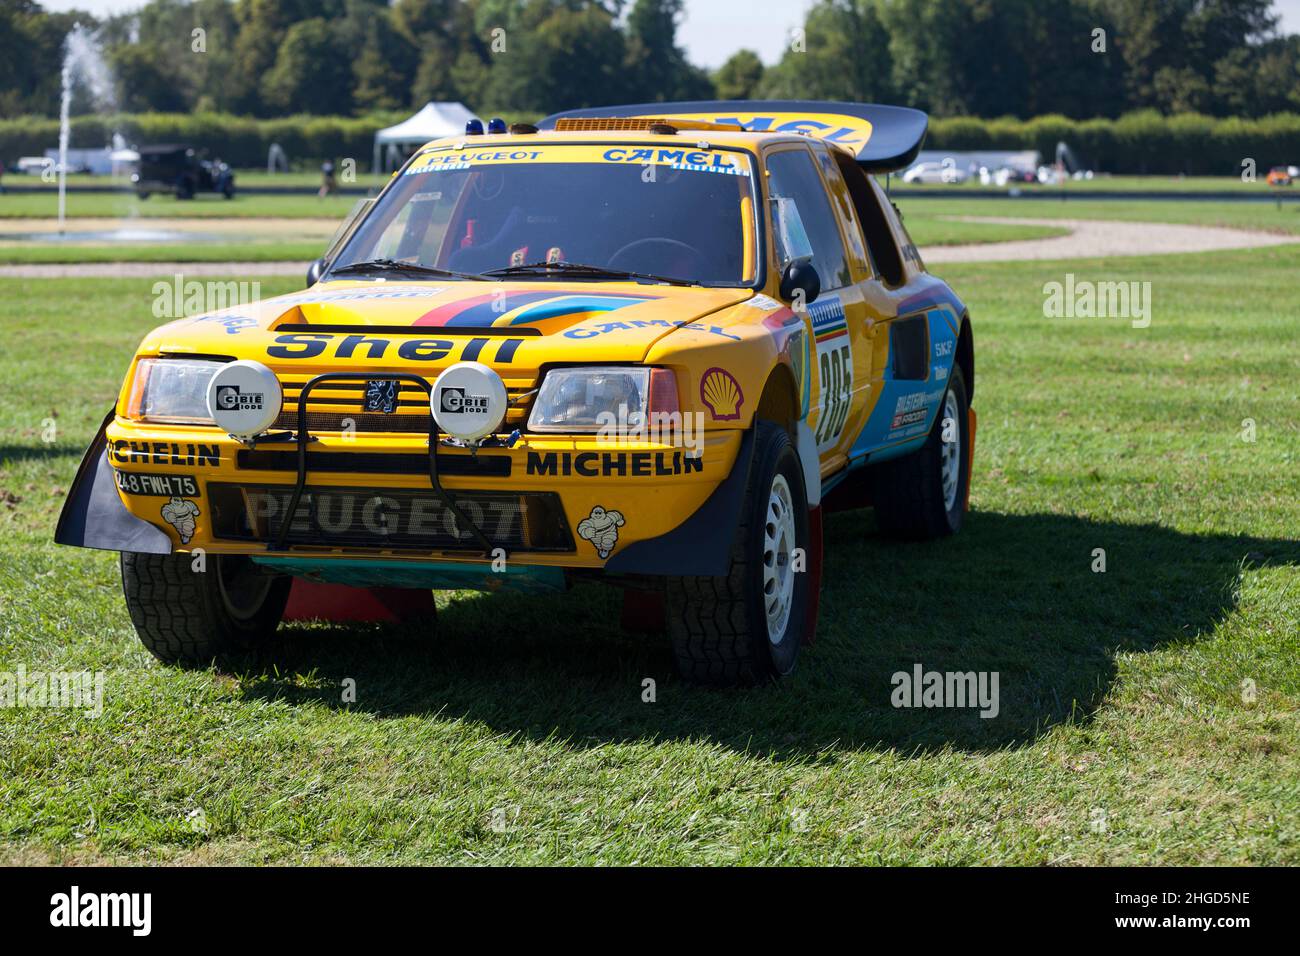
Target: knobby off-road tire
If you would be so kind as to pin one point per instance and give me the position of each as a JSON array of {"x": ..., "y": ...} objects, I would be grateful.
[
  {"x": 193, "y": 618},
  {"x": 923, "y": 495},
  {"x": 720, "y": 626}
]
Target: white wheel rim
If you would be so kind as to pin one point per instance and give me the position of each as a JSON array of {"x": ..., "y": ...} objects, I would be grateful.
[
  {"x": 778, "y": 544},
  {"x": 950, "y": 451}
]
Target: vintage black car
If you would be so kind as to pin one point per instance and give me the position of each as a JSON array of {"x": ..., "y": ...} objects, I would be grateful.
[{"x": 178, "y": 169}]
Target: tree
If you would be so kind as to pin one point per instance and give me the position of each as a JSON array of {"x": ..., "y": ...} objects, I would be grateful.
[
  {"x": 739, "y": 77},
  {"x": 845, "y": 55},
  {"x": 312, "y": 72}
]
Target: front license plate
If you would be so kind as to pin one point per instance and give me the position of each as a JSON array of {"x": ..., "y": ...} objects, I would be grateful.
[{"x": 159, "y": 486}]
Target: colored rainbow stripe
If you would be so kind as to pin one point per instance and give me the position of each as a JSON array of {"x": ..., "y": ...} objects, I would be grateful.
[{"x": 497, "y": 309}]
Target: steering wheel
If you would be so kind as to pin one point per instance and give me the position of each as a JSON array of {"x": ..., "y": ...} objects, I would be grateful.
[{"x": 669, "y": 246}]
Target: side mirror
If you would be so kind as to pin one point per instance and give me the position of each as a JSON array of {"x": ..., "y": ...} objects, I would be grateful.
[
  {"x": 798, "y": 276},
  {"x": 315, "y": 271}
]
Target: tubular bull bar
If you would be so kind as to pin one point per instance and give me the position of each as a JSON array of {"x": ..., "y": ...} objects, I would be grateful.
[{"x": 302, "y": 439}]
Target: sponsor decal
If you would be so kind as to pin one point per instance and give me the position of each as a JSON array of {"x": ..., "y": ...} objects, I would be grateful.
[
  {"x": 765, "y": 302},
  {"x": 234, "y": 324},
  {"x": 602, "y": 328},
  {"x": 721, "y": 394},
  {"x": 232, "y": 398},
  {"x": 307, "y": 345},
  {"x": 357, "y": 295},
  {"x": 165, "y": 453},
  {"x": 834, "y": 366},
  {"x": 159, "y": 486},
  {"x": 601, "y": 529},
  {"x": 457, "y": 401},
  {"x": 694, "y": 160},
  {"x": 607, "y": 464},
  {"x": 913, "y": 410},
  {"x": 180, "y": 514},
  {"x": 463, "y": 159},
  {"x": 381, "y": 396}
]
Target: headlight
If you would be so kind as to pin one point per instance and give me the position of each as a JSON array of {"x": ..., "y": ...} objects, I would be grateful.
[
  {"x": 585, "y": 399},
  {"x": 172, "y": 390}
]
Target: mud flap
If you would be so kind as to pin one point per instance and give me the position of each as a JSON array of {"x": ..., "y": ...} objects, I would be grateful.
[
  {"x": 695, "y": 548},
  {"x": 94, "y": 516}
]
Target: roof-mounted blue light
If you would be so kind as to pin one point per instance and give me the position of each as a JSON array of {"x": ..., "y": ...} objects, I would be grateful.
[
  {"x": 496, "y": 125},
  {"x": 474, "y": 127}
]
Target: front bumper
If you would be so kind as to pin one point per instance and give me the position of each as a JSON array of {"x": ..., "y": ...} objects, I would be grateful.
[{"x": 555, "y": 501}]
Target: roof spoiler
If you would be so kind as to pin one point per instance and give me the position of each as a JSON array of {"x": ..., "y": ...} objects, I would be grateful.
[{"x": 883, "y": 138}]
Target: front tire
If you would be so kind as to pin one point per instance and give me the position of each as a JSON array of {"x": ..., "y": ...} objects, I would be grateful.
[
  {"x": 193, "y": 618},
  {"x": 923, "y": 495},
  {"x": 747, "y": 627}
]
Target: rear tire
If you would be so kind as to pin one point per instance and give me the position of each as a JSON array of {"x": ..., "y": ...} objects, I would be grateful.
[
  {"x": 748, "y": 626},
  {"x": 193, "y": 618},
  {"x": 923, "y": 495}
]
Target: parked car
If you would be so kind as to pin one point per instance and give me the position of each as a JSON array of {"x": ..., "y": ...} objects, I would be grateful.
[
  {"x": 178, "y": 169},
  {"x": 928, "y": 174},
  {"x": 1280, "y": 176},
  {"x": 645, "y": 345}
]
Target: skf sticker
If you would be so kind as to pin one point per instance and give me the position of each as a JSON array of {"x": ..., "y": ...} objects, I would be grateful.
[
  {"x": 601, "y": 529},
  {"x": 180, "y": 514},
  {"x": 721, "y": 394}
]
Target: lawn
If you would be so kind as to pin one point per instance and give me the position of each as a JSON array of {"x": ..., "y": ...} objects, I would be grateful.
[
  {"x": 125, "y": 205},
  {"x": 1267, "y": 217},
  {"x": 257, "y": 251},
  {"x": 516, "y": 731}
]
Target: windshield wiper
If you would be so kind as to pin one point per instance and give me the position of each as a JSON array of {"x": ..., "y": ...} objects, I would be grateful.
[
  {"x": 405, "y": 268},
  {"x": 579, "y": 268}
]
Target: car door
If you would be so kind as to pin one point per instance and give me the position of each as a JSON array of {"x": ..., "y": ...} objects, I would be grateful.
[{"x": 806, "y": 221}]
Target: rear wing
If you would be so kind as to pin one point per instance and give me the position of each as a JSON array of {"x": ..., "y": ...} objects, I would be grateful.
[{"x": 883, "y": 138}]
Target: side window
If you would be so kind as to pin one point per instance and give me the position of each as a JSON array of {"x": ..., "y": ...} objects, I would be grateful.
[
  {"x": 875, "y": 227},
  {"x": 802, "y": 218}
]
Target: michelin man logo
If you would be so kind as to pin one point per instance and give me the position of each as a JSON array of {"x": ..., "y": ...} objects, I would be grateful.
[
  {"x": 601, "y": 529},
  {"x": 180, "y": 514}
]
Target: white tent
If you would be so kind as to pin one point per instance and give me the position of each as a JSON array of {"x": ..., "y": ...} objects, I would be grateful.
[{"x": 433, "y": 120}]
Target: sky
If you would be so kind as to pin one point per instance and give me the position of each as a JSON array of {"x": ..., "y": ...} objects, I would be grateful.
[{"x": 712, "y": 29}]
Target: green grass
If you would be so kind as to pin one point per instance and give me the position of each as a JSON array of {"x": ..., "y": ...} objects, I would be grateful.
[
  {"x": 1108, "y": 183},
  {"x": 260, "y": 251},
  {"x": 45, "y": 205},
  {"x": 1120, "y": 692},
  {"x": 1268, "y": 217}
]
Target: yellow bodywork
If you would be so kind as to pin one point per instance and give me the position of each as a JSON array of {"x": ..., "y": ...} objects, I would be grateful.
[{"x": 731, "y": 349}]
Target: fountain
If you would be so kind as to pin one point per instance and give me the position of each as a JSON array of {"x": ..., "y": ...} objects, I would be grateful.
[{"x": 82, "y": 59}]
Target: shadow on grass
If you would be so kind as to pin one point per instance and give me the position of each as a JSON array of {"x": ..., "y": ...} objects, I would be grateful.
[
  {"x": 1015, "y": 594},
  {"x": 15, "y": 454}
]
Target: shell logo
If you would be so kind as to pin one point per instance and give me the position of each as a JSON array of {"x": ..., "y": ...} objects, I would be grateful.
[{"x": 721, "y": 393}]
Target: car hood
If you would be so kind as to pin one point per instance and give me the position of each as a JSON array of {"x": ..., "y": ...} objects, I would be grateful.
[{"x": 605, "y": 321}]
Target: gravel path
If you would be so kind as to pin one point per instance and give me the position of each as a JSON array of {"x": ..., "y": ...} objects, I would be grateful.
[
  {"x": 1096, "y": 238},
  {"x": 1088, "y": 238}
]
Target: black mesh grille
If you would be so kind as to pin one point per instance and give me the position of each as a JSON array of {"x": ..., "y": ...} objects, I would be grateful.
[
  {"x": 388, "y": 519},
  {"x": 375, "y": 463}
]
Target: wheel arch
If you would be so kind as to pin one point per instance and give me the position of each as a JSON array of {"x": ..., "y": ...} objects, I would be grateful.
[{"x": 966, "y": 356}]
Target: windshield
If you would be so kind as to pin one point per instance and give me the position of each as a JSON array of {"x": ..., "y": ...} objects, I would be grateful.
[{"x": 682, "y": 212}]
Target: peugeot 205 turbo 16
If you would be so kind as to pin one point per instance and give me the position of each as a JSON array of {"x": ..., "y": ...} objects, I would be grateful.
[{"x": 647, "y": 345}]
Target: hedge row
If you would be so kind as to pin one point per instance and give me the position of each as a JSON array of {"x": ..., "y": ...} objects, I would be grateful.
[
  {"x": 1145, "y": 142},
  {"x": 1137, "y": 143}
]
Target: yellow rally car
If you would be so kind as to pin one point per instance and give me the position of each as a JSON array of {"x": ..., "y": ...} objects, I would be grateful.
[{"x": 647, "y": 345}]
